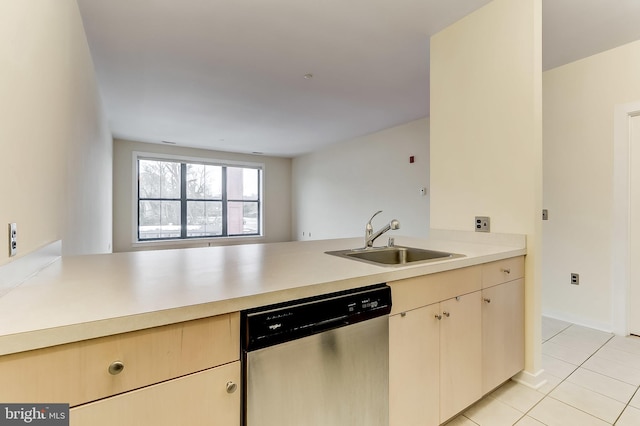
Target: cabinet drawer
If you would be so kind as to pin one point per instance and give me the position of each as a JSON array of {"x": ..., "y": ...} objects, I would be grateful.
[
  {"x": 76, "y": 373},
  {"x": 502, "y": 271},
  {"x": 197, "y": 399},
  {"x": 412, "y": 293}
]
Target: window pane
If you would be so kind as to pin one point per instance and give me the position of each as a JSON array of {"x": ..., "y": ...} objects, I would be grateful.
[
  {"x": 242, "y": 184},
  {"x": 204, "y": 218},
  {"x": 159, "y": 179},
  {"x": 159, "y": 219},
  {"x": 149, "y": 179},
  {"x": 242, "y": 218},
  {"x": 195, "y": 181},
  {"x": 204, "y": 182},
  {"x": 213, "y": 182}
]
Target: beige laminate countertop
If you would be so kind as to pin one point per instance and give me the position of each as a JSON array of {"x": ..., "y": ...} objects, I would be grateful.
[{"x": 83, "y": 297}]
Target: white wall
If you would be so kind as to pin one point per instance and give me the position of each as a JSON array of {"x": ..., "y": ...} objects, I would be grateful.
[
  {"x": 486, "y": 133},
  {"x": 338, "y": 188},
  {"x": 579, "y": 103},
  {"x": 55, "y": 181},
  {"x": 277, "y": 194}
]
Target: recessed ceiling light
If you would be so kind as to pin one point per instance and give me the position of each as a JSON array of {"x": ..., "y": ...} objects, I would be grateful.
[{"x": 308, "y": 76}]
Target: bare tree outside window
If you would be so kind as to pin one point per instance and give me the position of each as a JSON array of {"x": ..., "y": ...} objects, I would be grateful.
[
  {"x": 159, "y": 199},
  {"x": 192, "y": 200}
]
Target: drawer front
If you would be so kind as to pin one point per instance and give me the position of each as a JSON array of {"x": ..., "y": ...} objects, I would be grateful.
[
  {"x": 412, "y": 293},
  {"x": 502, "y": 271},
  {"x": 197, "y": 399},
  {"x": 78, "y": 372}
]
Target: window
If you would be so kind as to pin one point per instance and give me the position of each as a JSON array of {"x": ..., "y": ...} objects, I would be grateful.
[{"x": 180, "y": 200}]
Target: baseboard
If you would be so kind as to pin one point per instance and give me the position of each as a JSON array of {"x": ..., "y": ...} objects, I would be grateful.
[
  {"x": 533, "y": 381},
  {"x": 597, "y": 325},
  {"x": 14, "y": 273}
]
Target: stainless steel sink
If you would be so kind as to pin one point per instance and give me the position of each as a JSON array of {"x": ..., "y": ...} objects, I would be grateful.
[{"x": 394, "y": 255}]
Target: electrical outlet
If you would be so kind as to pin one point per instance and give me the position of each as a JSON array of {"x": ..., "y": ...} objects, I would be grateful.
[
  {"x": 483, "y": 224},
  {"x": 575, "y": 279},
  {"x": 13, "y": 239}
]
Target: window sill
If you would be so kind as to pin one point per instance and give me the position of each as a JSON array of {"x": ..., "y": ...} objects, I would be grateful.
[{"x": 198, "y": 242}]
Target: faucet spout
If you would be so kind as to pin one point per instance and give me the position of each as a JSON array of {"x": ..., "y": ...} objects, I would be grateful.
[{"x": 370, "y": 236}]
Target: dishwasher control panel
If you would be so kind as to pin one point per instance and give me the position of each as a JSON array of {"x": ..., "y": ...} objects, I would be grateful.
[{"x": 273, "y": 324}]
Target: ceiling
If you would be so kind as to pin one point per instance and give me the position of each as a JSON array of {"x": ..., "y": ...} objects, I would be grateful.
[{"x": 230, "y": 74}]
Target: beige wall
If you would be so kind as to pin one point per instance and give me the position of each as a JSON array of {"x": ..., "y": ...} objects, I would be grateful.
[
  {"x": 486, "y": 133},
  {"x": 579, "y": 104},
  {"x": 337, "y": 189},
  {"x": 277, "y": 195},
  {"x": 55, "y": 179}
]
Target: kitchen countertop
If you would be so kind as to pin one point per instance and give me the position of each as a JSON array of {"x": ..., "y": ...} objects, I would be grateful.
[{"x": 83, "y": 297}]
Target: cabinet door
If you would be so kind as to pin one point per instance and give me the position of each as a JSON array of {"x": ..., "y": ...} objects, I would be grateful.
[
  {"x": 460, "y": 354},
  {"x": 414, "y": 362},
  {"x": 196, "y": 399},
  {"x": 502, "y": 333}
]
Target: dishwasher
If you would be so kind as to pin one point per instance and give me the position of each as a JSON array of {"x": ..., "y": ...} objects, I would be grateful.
[{"x": 321, "y": 361}]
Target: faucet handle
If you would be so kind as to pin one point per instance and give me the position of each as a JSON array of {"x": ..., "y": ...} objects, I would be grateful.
[{"x": 374, "y": 215}]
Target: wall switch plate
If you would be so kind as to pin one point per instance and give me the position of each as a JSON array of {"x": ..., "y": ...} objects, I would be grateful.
[
  {"x": 483, "y": 224},
  {"x": 545, "y": 214},
  {"x": 13, "y": 239},
  {"x": 575, "y": 279}
]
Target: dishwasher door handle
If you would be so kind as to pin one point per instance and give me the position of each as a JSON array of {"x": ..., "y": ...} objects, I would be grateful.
[{"x": 330, "y": 321}]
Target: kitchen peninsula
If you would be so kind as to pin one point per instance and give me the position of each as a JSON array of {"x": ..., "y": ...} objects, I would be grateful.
[{"x": 80, "y": 306}]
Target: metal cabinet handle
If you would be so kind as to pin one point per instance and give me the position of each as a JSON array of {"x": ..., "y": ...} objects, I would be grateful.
[
  {"x": 231, "y": 387},
  {"x": 438, "y": 317},
  {"x": 486, "y": 299},
  {"x": 116, "y": 367},
  {"x": 446, "y": 314},
  {"x": 506, "y": 270}
]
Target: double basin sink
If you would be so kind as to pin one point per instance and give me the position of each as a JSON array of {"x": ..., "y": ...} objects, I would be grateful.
[{"x": 394, "y": 255}]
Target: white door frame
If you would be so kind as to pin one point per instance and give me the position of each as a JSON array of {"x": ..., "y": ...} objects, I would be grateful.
[{"x": 620, "y": 227}]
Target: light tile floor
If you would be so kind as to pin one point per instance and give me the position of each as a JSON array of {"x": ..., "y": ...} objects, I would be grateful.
[{"x": 592, "y": 379}]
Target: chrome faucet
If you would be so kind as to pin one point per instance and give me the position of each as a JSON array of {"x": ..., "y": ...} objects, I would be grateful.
[{"x": 370, "y": 236}]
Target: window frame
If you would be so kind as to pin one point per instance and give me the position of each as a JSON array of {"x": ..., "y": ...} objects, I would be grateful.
[{"x": 183, "y": 238}]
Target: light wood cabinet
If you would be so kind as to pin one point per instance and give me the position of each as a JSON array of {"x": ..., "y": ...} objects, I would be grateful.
[
  {"x": 196, "y": 399},
  {"x": 414, "y": 367},
  {"x": 434, "y": 350},
  {"x": 168, "y": 375},
  {"x": 448, "y": 345},
  {"x": 460, "y": 354},
  {"x": 502, "y": 271},
  {"x": 502, "y": 333},
  {"x": 77, "y": 373}
]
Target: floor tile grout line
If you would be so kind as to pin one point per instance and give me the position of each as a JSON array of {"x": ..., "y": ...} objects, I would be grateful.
[
  {"x": 543, "y": 340},
  {"x": 582, "y": 363},
  {"x": 562, "y": 380},
  {"x": 576, "y": 408},
  {"x": 627, "y": 406},
  {"x": 469, "y": 420},
  {"x": 548, "y": 394},
  {"x": 552, "y": 389},
  {"x": 597, "y": 372}
]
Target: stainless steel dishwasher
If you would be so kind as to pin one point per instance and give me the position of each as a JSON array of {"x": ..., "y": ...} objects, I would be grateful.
[{"x": 321, "y": 361}]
